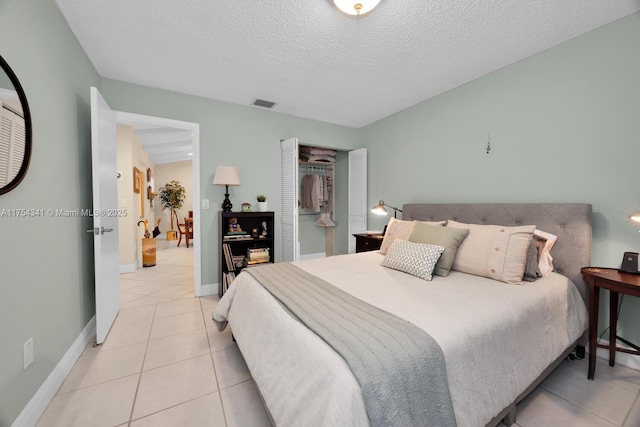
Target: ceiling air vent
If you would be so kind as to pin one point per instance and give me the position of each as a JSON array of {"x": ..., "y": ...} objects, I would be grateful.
[{"x": 262, "y": 103}]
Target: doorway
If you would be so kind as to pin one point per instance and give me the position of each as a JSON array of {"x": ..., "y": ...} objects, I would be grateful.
[{"x": 193, "y": 130}]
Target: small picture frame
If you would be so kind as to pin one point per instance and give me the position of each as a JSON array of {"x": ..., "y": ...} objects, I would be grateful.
[
  {"x": 137, "y": 174},
  {"x": 148, "y": 174}
]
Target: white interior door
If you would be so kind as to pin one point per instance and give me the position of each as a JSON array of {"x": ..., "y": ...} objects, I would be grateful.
[
  {"x": 105, "y": 217},
  {"x": 289, "y": 200}
]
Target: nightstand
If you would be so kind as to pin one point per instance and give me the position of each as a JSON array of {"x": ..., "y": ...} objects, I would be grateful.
[
  {"x": 616, "y": 282},
  {"x": 368, "y": 242}
]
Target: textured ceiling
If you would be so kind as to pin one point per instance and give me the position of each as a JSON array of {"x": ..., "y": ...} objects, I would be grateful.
[{"x": 313, "y": 60}]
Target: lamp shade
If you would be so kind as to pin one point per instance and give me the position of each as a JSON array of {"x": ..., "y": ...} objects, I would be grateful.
[
  {"x": 226, "y": 175},
  {"x": 379, "y": 209},
  {"x": 356, "y": 7}
]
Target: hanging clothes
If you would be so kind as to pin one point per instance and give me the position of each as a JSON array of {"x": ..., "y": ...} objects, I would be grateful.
[
  {"x": 326, "y": 190},
  {"x": 310, "y": 192},
  {"x": 315, "y": 191}
]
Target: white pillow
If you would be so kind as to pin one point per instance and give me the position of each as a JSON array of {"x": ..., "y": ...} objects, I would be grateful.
[
  {"x": 417, "y": 259},
  {"x": 396, "y": 229},
  {"x": 493, "y": 251},
  {"x": 545, "y": 261}
]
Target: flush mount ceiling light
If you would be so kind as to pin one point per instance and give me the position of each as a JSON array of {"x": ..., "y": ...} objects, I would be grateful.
[{"x": 356, "y": 7}]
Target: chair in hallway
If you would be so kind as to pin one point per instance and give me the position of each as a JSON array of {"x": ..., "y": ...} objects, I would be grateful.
[{"x": 185, "y": 229}]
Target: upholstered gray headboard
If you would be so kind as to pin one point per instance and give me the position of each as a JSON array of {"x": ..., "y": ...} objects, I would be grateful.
[{"x": 571, "y": 222}]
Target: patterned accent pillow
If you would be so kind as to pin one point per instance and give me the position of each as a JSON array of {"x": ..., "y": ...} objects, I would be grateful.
[
  {"x": 400, "y": 229},
  {"x": 417, "y": 259}
]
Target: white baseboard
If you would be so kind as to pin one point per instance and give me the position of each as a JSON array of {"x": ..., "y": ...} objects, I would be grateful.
[
  {"x": 629, "y": 360},
  {"x": 39, "y": 402}
]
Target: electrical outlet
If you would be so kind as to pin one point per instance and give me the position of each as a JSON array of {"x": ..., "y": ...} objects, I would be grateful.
[
  {"x": 205, "y": 203},
  {"x": 28, "y": 352}
]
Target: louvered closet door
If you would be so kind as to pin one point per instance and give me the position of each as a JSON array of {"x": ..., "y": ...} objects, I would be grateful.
[
  {"x": 289, "y": 199},
  {"x": 12, "y": 145},
  {"x": 357, "y": 194}
]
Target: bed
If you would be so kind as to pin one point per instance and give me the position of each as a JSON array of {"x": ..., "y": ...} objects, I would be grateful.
[{"x": 499, "y": 340}]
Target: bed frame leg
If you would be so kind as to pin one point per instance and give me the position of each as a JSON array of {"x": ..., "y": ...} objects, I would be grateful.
[{"x": 510, "y": 418}]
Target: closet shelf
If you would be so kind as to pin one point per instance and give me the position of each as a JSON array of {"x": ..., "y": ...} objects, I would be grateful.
[{"x": 326, "y": 165}]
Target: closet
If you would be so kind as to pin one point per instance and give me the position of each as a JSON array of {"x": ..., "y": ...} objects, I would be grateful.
[
  {"x": 309, "y": 183},
  {"x": 12, "y": 140}
]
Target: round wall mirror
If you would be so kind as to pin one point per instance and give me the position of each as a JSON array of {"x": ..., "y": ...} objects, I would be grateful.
[{"x": 15, "y": 130}]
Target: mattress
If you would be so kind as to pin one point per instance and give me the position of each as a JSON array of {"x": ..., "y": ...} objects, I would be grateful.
[{"x": 497, "y": 338}]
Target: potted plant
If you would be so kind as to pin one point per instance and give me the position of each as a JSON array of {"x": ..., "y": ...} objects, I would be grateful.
[
  {"x": 172, "y": 197},
  {"x": 262, "y": 202}
]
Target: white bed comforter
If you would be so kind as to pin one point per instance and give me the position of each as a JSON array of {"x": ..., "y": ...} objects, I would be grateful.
[{"x": 496, "y": 338}]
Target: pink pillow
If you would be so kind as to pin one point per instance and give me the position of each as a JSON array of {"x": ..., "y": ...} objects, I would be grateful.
[{"x": 545, "y": 261}]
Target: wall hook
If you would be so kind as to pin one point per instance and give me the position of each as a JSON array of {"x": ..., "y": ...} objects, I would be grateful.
[{"x": 488, "y": 142}]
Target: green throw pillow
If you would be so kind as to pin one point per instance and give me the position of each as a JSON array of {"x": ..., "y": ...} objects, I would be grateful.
[{"x": 450, "y": 238}]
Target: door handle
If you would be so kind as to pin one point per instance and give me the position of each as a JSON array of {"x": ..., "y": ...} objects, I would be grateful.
[{"x": 100, "y": 230}]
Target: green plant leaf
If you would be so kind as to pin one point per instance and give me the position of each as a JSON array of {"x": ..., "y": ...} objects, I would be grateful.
[{"x": 172, "y": 195}]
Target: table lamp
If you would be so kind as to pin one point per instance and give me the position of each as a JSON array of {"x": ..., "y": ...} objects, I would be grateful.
[
  {"x": 380, "y": 209},
  {"x": 226, "y": 175}
]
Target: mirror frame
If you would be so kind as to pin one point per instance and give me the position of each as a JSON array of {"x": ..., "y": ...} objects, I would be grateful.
[{"x": 27, "y": 128}]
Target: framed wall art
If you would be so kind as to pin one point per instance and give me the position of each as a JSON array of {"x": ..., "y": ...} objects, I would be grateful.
[{"x": 137, "y": 175}]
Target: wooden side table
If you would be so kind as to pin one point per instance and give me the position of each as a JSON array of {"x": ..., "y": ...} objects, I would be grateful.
[
  {"x": 617, "y": 283},
  {"x": 368, "y": 242}
]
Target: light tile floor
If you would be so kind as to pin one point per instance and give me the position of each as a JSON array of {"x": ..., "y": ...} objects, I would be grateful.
[{"x": 165, "y": 364}]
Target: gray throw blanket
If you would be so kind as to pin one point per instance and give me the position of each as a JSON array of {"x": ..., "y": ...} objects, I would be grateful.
[{"x": 400, "y": 368}]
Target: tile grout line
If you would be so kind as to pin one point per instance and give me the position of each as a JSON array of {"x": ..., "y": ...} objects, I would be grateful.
[
  {"x": 144, "y": 359},
  {"x": 589, "y": 410},
  {"x": 636, "y": 402},
  {"x": 213, "y": 363},
  {"x": 610, "y": 380},
  {"x": 58, "y": 393},
  {"x": 170, "y": 407},
  {"x": 155, "y": 309},
  {"x": 578, "y": 405}
]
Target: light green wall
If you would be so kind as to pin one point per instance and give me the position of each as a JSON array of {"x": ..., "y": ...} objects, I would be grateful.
[
  {"x": 46, "y": 270},
  {"x": 564, "y": 128},
  {"x": 5, "y": 82},
  {"x": 242, "y": 136}
]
